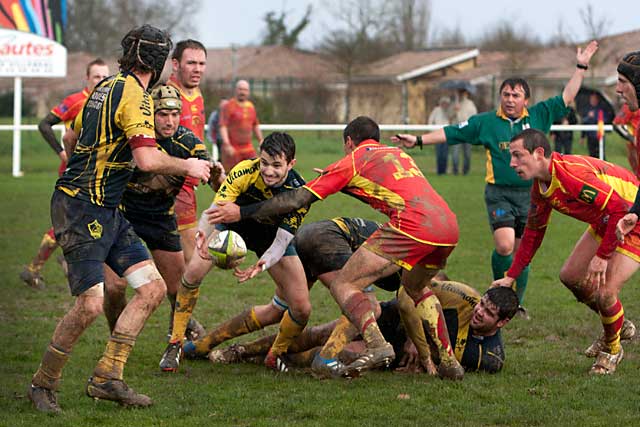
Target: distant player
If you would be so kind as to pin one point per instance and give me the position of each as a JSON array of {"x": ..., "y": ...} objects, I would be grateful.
[
  {"x": 188, "y": 63},
  {"x": 254, "y": 180},
  {"x": 592, "y": 191},
  {"x": 65, "y": 112},
  {"x": 421, "y": 233}
]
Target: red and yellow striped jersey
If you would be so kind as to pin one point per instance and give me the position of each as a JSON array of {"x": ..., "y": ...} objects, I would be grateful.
[
  {"x": 192, "y": 114},
  {"x": 69, "y": 108},
  {"x": 585, "y": 188},
  {"x": 389, "y": 181}
]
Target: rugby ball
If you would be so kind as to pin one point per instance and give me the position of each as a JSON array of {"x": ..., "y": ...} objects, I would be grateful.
[{"x": 228, "y": 249}]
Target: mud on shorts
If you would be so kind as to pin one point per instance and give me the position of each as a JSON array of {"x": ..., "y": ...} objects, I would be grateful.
[
  {"x": 159, "y": 232},
  {"x": 406, "y": 252},
  {"x": 186, "y": 208},
  {"x": 507, "y": 207},
  {"x": 91, "y": 235}
]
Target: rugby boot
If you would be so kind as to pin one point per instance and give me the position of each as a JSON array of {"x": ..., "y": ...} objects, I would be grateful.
[
  {"x": 450, "y": 370},
  {"x": 373, "y": 358},
  {"x": 606, "y": 363},
  {"x": 171, "y": 357},
  {"x": 117, "y": 391},
  {"x": 627, "y": 332},
  {"x": 44, "y": 399},
  {"x": 32, "y": 278},
  {"x": 194, "y": 330},
  {"x": 232, "y": 354},
  {"x": 322, "y": 368},
  {"x": 523, "y": 313},
  {"x": 276, "y": 362}
]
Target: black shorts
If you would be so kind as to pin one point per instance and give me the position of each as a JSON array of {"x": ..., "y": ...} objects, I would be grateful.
[
  {"x": 507, "y": 207},
  {"x": 89, "y": 236},
  {"x": 159, "y": 232},
  {"x": 326, "y": 246}
]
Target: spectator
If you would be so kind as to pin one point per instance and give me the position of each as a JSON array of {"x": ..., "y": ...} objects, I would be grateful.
[
  {"x": 440, "y": 116},
  {"x": 563, "y": 139},
  {"x": 590, "y": 117},
  {"x": 463, "y": 109}
]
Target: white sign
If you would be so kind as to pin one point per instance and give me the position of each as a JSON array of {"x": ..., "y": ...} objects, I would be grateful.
[{"x": 28, "y": 55}]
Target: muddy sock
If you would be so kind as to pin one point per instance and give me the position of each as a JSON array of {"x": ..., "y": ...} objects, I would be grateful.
[
  {"x": 185, "y": 303},
  {"x": 242, "y": 324},
  {"x": 49, "y": 372},
  {"x": 111, "y": 364}
]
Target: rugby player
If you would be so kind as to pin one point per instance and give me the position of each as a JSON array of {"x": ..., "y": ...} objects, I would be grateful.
[
  {"x": 65, "y": 112},
  {"x": 115, "y": 127},
  {"x": 506, "y": 194},
  {"x": 419, "y": 237},
  {"x": 598, "y": 193},
  {"x": 189, "y": 62},
  {"x": 254, "y": 180},
  {"x": 148, "y": 205}
]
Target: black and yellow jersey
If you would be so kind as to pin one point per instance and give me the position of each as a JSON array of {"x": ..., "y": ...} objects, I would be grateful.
[
  {"x": 149, "y": 193},
  {"x": 475, "y": 353},
  {"x": 117, "y": 117},
  {"x": 244, "y": 186}
]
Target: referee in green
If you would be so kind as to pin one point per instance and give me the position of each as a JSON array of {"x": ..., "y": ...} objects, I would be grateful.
[{"x": 506, "y": 194}]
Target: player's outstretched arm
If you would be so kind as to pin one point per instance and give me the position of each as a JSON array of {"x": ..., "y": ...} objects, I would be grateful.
[
  {"x": 410, "y": 141},
  {"x": 583, "y": 57},
  {"x": 281, "y": 204},
  {"x": 150, "y": 159},
  {"x": 46, "y": 130}
]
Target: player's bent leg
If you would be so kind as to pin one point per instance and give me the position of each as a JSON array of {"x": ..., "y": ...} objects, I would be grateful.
[
  {"x": 46, "y": 380},
  {"x": 188, "y": 241},
  {"x": 107, "y": 381},
  {"x": 31, "y": 274},
  {"x": 413, "y": 326}
]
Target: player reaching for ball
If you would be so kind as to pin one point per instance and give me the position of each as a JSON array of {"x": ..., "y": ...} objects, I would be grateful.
[{"x": 248, "y": 182}]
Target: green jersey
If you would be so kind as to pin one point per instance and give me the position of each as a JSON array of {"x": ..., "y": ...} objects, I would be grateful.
[{"x": 494, "y": 130}]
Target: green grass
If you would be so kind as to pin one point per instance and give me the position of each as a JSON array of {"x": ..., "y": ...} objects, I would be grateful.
[{"x": 544, "y": 381}]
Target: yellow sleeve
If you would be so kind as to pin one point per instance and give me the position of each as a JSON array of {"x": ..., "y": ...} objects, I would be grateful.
[
  {"x": 134, "y": 114},
  {"x": 239, "y": 179}
]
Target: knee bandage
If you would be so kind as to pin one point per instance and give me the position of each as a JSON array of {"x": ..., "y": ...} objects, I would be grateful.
[
  {"x": 279, "y": 303},
  {"x": 145, "y": 274}
]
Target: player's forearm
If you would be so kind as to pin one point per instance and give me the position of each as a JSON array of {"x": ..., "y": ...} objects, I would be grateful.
[
  {"x": 69, "y": 140},
  {"x": 573, "y": 86},
  {"x": 150, "y": 159},
  {"x": 529, "y": 245},
  {"x": 224, "y": 134},
  {"x": 435, "y": 137},
  {"x": 46, "y": 130},
  {"x": 281, "y": 204},
  {"x": 277, "y": 248}
]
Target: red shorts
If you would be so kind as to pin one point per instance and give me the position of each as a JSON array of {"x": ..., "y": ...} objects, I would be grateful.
[
  {"x": 406, "y": 252},
  {"x": 186, "y": 208},
  {"x": 631, "y": 245}
]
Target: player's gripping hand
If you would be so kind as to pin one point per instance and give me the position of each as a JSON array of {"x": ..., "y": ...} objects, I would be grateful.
[
  {"x": 224, "y": 213},
  {"x": 249, "y": 273},
  {"x": 625, "y": 225},
  {"x": 201, "y": 246},
  {"x": 505, "y": 281},
  {"x": 217, "y": 175},
  {"x": 404, "y": 139},
  {"x": 197, "y": 168},
  {"x": 596, "y": 272}
]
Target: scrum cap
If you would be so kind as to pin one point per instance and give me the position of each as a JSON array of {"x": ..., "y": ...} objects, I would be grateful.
[
  {"x": 145, "y": 49},
  {"x": 629, "y": 67},
  {"x": 166, "y": 97}
]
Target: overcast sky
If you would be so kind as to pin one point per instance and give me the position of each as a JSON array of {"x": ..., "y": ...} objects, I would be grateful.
[{"x": 223, "y": 22}]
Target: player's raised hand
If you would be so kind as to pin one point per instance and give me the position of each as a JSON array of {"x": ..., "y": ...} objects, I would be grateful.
[
  {"x": 198, "y": 168},
  {"x": 224, "y": 213},
  {"x": 505, "y": 281},
  {"x": 404, "y": 139},
  {"x": 625, "y": 225},
  {"x": 249, "y": 273},
  {"x": 583, "y": 56}
]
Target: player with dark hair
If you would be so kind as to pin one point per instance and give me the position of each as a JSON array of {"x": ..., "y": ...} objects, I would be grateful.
[
  {"x": 421, "y": 233},
  {"x": 65, "y": 112},
  {"x": 598, "y": 193},
  {"x": 254, "y": 180},
  {"x": 148, "y": 205},
  {"x": 115, "y": 128},
  {"x": 506, "y": 195},
  {"x": 188, "y": 64}
]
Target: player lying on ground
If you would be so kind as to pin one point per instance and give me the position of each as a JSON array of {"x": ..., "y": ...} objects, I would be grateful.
[
  {"x": 598, "y": 193},
  {"x": 474, "y": 324},
  {"x": 254, "y": 180},
  {"x": 148, "y": 204},
  {"x": 421, "y": 233}
]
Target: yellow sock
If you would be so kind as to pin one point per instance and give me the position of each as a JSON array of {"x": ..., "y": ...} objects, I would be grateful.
[
  {"x": 111, "y": 365},
  {"x": 185, "y": 303},
  {"x": 289, "y": 330},
  {"x": 342, "y": 334},
  {"x": 49, "y": 372},
  {"x": 430, "y": 311},
  {"x": 244, "y": 323},
  {"x": 413, "y": 323}
]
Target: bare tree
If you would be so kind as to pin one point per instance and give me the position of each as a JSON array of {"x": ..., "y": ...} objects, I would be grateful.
[
  {"x": 449, "y": 38},
  {"x": 517, "y": 43},
  {"x": 594, "y": 24},
  {"x": 98, "y": 26},
  {"x": 408, "y": 23},
  {"x": 277, "y": 32},
  {"x": 561, "y": 36}
]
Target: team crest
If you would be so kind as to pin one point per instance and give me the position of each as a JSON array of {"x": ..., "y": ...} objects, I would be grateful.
[
  {"x": 588, "y": 194},
  {"x": 95, "y": 229}
]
